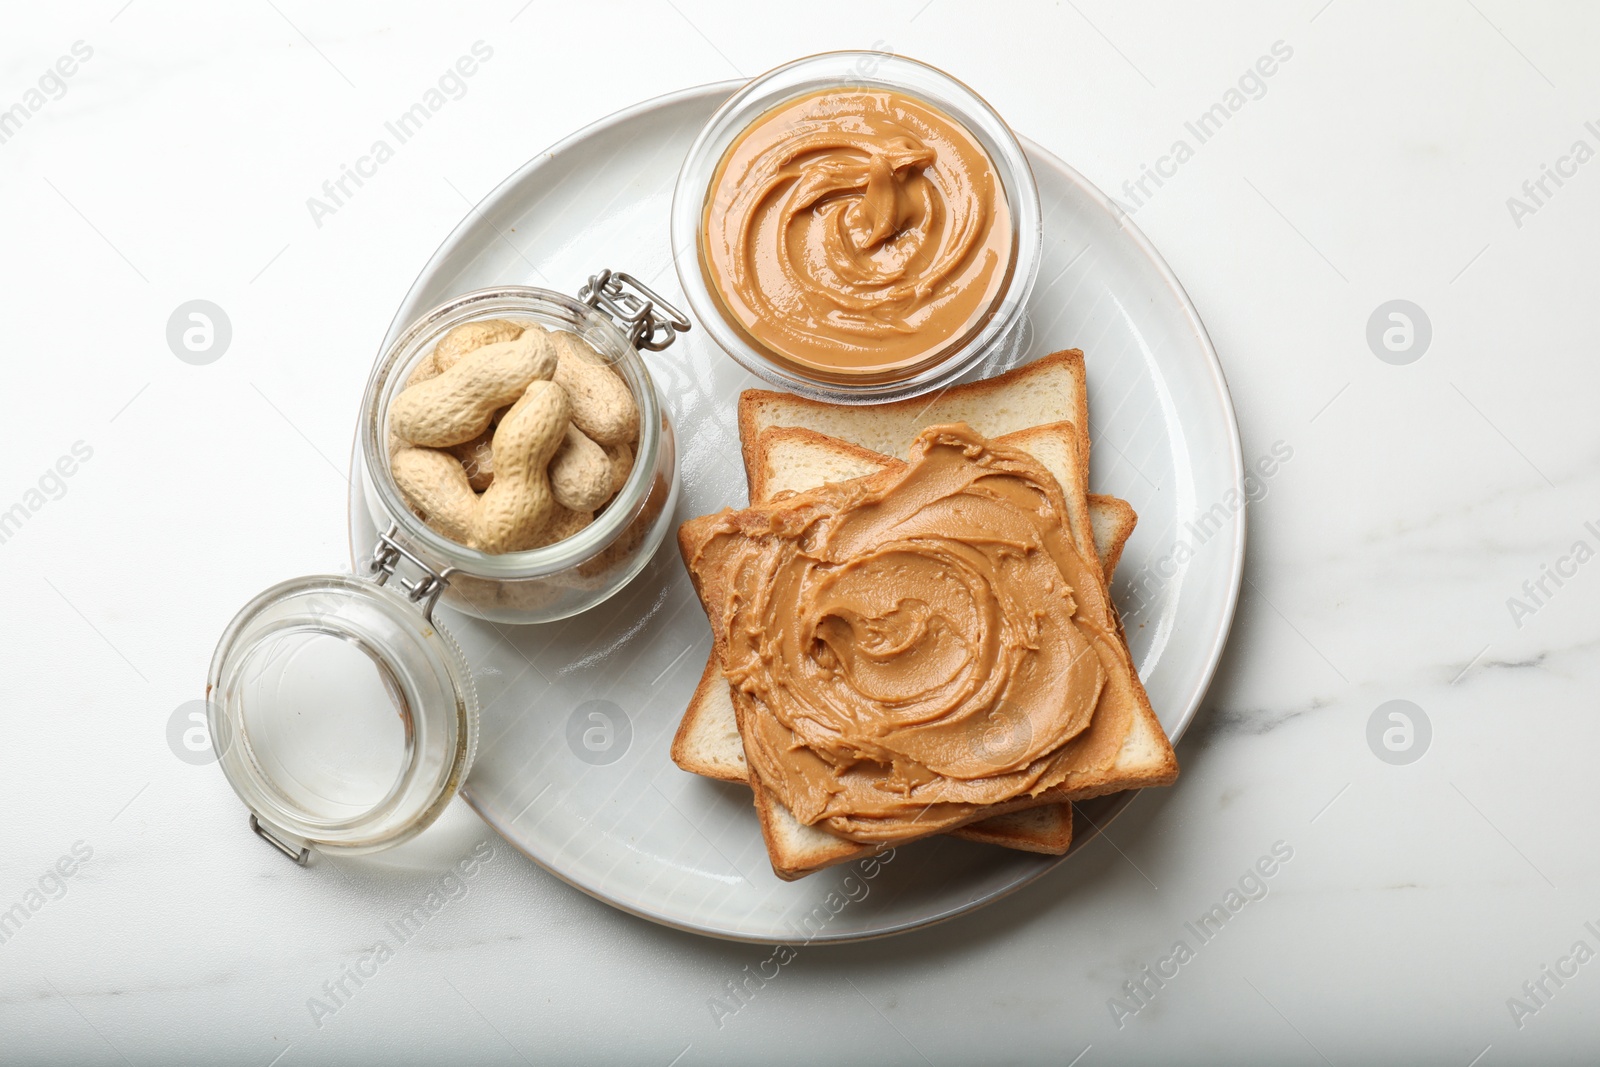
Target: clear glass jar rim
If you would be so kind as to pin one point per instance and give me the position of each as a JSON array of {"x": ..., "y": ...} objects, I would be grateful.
[
  {"x": 1016, "y": 175},
  {"x": 445, "y": 737}
]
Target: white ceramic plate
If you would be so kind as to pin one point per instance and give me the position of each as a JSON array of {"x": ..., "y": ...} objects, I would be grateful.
[{"x": 636, "y": 831}]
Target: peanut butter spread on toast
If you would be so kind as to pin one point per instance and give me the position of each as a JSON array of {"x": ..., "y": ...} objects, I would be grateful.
[{"x": 908, "y": 649}]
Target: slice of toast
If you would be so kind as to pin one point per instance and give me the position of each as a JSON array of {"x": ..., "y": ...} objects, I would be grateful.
[
  {"x": 1099, "y": 760},
  {"x": 793, "y": 459},
  {"x": 1051, "y": 389},
  {"x": 1111, "y": 522},
  {"x": 1128, "y": 749}
]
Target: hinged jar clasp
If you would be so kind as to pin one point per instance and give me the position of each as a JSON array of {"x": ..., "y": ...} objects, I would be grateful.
[
  {"x": 297, "y": 852},
  {"x": 651, "y": 321},
  {"x": 423, "y": 591}
]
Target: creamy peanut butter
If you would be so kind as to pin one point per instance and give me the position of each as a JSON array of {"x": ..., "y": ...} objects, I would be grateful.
[
  {"x": 908, "y": 647},
  {"x": 857, "y": 234}
]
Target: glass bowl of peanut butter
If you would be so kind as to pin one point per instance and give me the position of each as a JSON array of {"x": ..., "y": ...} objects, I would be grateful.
[{"x": 863, "y": 227}]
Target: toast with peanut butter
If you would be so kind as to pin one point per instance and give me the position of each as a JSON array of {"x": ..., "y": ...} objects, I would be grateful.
[
  {"x": 791, "y": 459},
  {"x": 1074, "y": 749}
]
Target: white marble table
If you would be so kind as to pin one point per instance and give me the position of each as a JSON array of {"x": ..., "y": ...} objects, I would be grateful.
[{"x": 1424, "y": 911}]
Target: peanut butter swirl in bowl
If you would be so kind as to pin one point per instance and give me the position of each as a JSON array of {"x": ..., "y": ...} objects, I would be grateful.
[
  {"x": 858, "y": 227},
  {"x": 857, "y": 233}
]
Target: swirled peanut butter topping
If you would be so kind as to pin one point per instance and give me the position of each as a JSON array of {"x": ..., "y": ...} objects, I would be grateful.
[
  {"x": 907, "y": 647},
  {"x": 857, "y": 234}
]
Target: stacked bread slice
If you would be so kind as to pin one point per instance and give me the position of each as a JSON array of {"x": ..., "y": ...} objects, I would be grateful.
[{"x": 792, "y": 445}]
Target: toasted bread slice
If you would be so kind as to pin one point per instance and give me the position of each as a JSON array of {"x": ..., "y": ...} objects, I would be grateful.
[
  {"x": 1050, "y": 389},
  {"x": 803, "y": 850},
  {"x": 708, "y": 741},
  {"x": 1097, "y": 760},
  {"x": 1111, "y": 523},
  {"x": 793, "y": 459}
]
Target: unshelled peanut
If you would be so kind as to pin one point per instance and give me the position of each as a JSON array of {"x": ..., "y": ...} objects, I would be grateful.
[
  {"x": 602, "y": 406},
  {"x": 458, "y": 405},
  {"x": 562, "y": 525},
  {"x": 471, "y": 336},
  {"x": 435, "y": 485},
  {"x": 426, "y": 368},
  {"x": 580, "y": 473},
  {"x": 477, "y": 458},
  {"x": 513, "y": 513},
  {"x": 514, "y": 510},
  {"x": 508, "y": 437},
  {"x": 620, "y": 459}
]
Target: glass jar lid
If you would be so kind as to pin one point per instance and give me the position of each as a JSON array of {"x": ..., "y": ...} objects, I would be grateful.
[{"x": 341, "y": 713}]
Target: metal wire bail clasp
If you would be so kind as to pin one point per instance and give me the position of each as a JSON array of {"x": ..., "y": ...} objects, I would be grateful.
[
  {"x": 423, "y": 591},
  {"x": 652, "y": 322}
]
